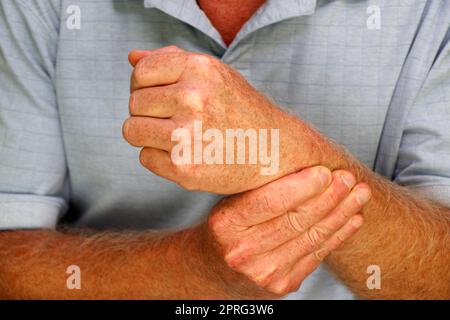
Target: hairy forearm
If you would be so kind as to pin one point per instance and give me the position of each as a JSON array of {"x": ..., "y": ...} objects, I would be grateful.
[
  {"x": 404, "y": 234},
  {"x": 407, "y": 237},
  {"x": 123, "y": 265}
]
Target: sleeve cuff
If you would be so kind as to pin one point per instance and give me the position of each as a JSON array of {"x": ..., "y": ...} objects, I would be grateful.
[{"x": 30, "y": 212}]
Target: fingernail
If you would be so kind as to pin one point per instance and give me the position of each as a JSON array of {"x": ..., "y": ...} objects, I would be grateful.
[
  {"x": 348, "y": 180},
  {"x": 125, "y": 128},
  {"x": 321, "y": 253},
  {"x": 362, "y": 196},
  {"x": 357, "y": 221},
  {"x": 142, "y": 157},
  {"x": 132, "y": 102},
  {"x": 325, "y": 176}
]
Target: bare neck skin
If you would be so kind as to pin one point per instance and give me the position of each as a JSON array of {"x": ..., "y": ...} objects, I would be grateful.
[{"x": 228, "y": 16}]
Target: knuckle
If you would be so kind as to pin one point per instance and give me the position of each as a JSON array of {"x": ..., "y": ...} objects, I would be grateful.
[
  {"x": 294, "y": 221},
  {"x": 193, "y": 98},
  {"x": 283, "y": 202},
  {"x": 281, "y": 288},
  {"x": 263, "y": 278},
  {"x": 245, "y": 247},
  {"x": 267, "y": 203},
  {"x": 274, "y": 204},
  {"x": 316, "y": 235},
  {"x": 201, "y": 60},
  {"x": 328, "y": 202},
  {"x": 232, "y": 260},
  {"x": 236, "y": 254},
  {"x": 139, "y": 72},
  {"x": 214, "y": 222},
  {"x": 321, "y": 254},
  {"x": 340, "y": 238},
  {"x": 207, "y": 67}
]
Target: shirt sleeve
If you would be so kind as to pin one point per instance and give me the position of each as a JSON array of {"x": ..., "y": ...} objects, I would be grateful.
[
  {"x": 32, "y": 160},
  {"x": 424, "y": 157}
]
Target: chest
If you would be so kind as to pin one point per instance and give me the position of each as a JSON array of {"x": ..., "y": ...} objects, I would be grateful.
[{"x": 229, "y": 16}]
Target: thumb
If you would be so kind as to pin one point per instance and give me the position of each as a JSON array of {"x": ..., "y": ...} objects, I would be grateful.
[{"x": 135, "y": 55}]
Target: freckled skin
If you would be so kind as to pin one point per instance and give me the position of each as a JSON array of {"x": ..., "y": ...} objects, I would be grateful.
[
  {"x": 243, "y": 251},
  {"x": 231, "y": 102},
  {"x": 210, "y": 91}
]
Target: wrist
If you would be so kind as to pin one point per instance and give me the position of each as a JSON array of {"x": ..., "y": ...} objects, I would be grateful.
[
  {"x": 311, "y": 148},
  {"x": 304, "y": 145},
  {"x": 219, "y": 280},
  {"x": 202, "y": 265}
]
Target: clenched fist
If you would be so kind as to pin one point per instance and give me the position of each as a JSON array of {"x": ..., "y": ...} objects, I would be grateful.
[
  {"x": 184, "y": 105},
  {"x": 275, "y": 236}
]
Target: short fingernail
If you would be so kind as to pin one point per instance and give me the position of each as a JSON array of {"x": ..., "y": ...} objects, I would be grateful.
[
  {"x": 362, "y": 196},
  {"x": 357, "y": 221},
  {"x": 321, "y": 253},
  {"x": 348, "y": 180},
  {"x": 325, "y": 176},
  {"x": 126, "y": 128},
  {"x": 132, "y": 103},
  {"x": 142, "y": 157}
]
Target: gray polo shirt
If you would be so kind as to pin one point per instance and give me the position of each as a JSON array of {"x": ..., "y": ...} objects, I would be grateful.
[{"x": 372, "y": 75}]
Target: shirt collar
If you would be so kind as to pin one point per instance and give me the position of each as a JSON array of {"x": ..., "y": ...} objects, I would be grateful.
[{"x": 272, "y": 11}]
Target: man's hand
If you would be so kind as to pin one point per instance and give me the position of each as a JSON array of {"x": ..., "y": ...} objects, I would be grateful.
[
  {"x": 402, "y": 230},
  {"x": 275, "y": 236},
  {"x": 172, "y": 88},
  {"x": 260, "y": 244}
]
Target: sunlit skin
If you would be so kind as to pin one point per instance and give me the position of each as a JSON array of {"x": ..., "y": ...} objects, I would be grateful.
[
  {"x": 260, "y": 243},
  {"x": 222, "y": 91},
  {"x": 310, "y": 213}
]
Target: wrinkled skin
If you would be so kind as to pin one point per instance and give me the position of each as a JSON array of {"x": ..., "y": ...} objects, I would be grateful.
[
  {"x": 275, "y": 236},
  {"x": 172, "y": 88}
]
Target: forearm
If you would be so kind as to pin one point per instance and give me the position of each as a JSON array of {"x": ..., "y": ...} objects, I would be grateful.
[
  {"x": 406, "y": 235},
  {"x": 113, "y": 265}
]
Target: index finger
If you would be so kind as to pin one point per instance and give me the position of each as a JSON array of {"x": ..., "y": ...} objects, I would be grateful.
[
  {"x": 136, "y": 55},
  {"x": 158, "y": 68},
  {"x": 280, "y": 196}
]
